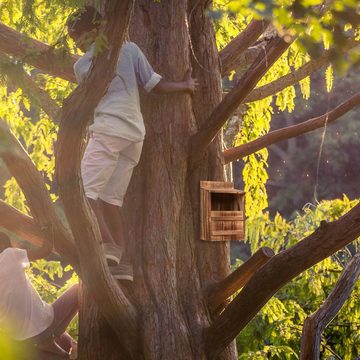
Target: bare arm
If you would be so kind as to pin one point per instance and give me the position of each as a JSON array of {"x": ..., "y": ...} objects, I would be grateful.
[
  {"x": 40, "y": 252},
  {"x": 188, "y": 84}
]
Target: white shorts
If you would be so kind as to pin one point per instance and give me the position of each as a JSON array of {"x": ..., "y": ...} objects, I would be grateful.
[{"x": 107, "y": 166}]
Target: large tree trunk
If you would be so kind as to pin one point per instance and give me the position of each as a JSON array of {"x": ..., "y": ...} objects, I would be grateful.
[
  {"x": 178, "y": 289},
  {"x": 172, "y": 266}
]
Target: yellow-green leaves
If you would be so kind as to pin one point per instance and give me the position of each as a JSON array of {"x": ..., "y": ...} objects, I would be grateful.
[
  {"x": 329, "y": 77},
  {"x": 275, "y": 332}
]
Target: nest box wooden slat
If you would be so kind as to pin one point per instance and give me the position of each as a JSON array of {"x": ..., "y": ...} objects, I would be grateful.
[{"x": 222, "y": 211}]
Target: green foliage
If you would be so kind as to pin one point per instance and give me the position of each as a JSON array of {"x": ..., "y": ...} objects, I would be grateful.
[
  {"x": 256, "y": 122},
  {"x": 329, "y": 76},
  {"x": 46, "y": 276},
  {"x": 310, "y": 20},
  {"x": 43, "y": 20},
  {"x": 227, "y": 24},
  {"x": 317, "y": 28},
  {"x": 293, "y": 172},
  {"x": 275, "y": 332}
]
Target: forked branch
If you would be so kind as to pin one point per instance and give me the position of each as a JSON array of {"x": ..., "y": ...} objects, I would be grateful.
[
  {"x": 219, "y": 292},
  {"x": 76, "y": 113},
  {"x": 37, "y": 196},
  {"x": 282, "y": 268},
  {"x": 316, "y": 323},
  {"x": 36, "y": 53},
  {"x": 232, "y": 52},
  {"x": 275, "y": 136},
  {"x": 221, "y": 113}
]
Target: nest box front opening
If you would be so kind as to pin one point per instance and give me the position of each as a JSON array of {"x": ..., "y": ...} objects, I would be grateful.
[
  {"x": 224, "y": 201},
  {"x": 222, "y": 211}
]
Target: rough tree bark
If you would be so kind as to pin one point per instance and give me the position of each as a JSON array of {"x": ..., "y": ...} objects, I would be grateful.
[{"x": 174, "y": 270}]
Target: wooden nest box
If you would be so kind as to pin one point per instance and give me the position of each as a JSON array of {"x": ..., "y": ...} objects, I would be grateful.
[{"x": 222, "y": 211}]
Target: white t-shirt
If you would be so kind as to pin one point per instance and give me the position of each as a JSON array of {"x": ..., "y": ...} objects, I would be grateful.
[
  {"x": 22, "y": 312},
  {"x": 118, "y": 112}
]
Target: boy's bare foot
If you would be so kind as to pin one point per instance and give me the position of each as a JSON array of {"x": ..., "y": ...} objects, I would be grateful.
[{"x": 52, "y": 347}]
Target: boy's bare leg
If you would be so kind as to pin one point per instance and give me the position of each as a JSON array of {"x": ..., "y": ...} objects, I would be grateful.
[
  {"x": 105, "y": 230},
  {"x": 113, "y": 217}
]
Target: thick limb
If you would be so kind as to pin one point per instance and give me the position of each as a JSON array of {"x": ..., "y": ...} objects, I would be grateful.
[
  {"x": 20, "y": 224},
  {"x": 38, "y": 198},
  {"x": 76, "y": 113},
  {"x": 36, "y": 53},
  {"x": 211, "y": 127},
  {"x": 233, "y": 51},
  {"x": 239, "y": 152},
  {"x": 283, "y": 267}
]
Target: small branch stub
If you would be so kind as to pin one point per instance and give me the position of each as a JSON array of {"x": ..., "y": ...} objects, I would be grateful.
[{"x": 218, "y": 293}]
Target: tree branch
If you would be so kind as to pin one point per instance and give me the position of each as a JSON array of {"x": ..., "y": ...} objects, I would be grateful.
[
  {"x": 22, "y": 80},
  {"x": 273, "y": 137},
  {"x": 295, "y": 76},
  {"x": 282, "y": 268},
  {"x": 219, "y": 292},
  {"x": 36, "y": 194},
  {"x": 22, "y": 225},
  {"x": 232, "y": 52},
  {"x": 315, "y": 324},
  {"x": 76, "y": 113},
  {"x": 221, "y": 113},
  {"x": 36, "y": 53}
]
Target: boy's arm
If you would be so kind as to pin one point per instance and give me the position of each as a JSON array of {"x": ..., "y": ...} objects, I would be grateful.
[
  {"x": 41, "y": 252},
  {"x": 188, "y": 84}
]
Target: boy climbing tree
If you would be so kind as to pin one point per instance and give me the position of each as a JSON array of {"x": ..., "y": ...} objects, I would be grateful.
[
  {"x": 23, "y": 315},
  {"x": 117, "y": 133}
]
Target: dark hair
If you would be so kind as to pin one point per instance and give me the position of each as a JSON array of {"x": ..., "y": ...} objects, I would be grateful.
[
  {"x": 84, "y": 20},
  {"x": 4, "y": 241}
]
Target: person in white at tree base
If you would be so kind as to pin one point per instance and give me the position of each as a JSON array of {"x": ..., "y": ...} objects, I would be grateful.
[
  {"x": 117, "y": 133},
  {"x": 24, "y": 316}
]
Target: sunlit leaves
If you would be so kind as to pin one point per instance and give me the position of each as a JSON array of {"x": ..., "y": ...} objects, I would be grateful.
[
  {"x": 44, "y": 20},
  {"x": 329, "y": 77},
  {"x": 275, "y": 332},
  {"x": 227, "y": 25},
  {"x": 309, "y": 20},
  {"x": 256, "y": 122}
]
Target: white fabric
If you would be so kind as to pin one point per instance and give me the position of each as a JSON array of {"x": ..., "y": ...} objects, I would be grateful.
[
  {"x": 118, "y": 112},
  {"x": 107, "y": 167},
  {"x": 22, "y": 312}
]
